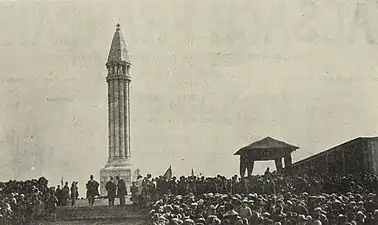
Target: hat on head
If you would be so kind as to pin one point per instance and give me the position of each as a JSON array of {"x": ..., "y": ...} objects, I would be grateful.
[
  {"x": 239, "y": 222},
  {"x": 230, "y": 213},
  {"x": 302, "y": 218},
  {"x": 216, "y": 221},
  {"x": 176, "y": 221},
  {"x": 188, "y": 221},
  {"x": 201, "y": 220}
]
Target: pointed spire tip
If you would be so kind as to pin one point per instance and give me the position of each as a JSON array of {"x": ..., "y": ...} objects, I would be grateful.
[{"x": 118, "y": 50}]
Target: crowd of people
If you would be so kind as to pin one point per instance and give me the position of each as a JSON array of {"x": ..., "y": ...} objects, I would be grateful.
[
  {"x": 23, "y": 202},
  {"x": 274, "y": 199},
  {"x": 67, "y": 193},
  {"x": 259, "y": 200}
]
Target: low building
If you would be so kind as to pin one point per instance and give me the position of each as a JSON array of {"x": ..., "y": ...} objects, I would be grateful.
[{"x": 359, "y": 155}]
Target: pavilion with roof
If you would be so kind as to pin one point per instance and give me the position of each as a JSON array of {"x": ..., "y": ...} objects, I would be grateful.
[{"x": 265, "y": 149}]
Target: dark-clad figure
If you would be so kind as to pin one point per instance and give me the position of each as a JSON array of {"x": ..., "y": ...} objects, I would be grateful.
[
  {"x": 65, "y": 194},
  {"x": 58, "y": 194},
  {"x": 267, "y": 172},
  {"x": 52, "y": 202},
  {"x": 111, "y": 188},
  {"x": 134, "y": 192},
  {"x": 74, "y": 193},
  {"x": 121, "y": 190},
  {"x": 92, "y": 190}
]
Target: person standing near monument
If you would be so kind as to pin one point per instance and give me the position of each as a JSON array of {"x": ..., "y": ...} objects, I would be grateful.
[
  {"x": 111, "y": 188},
  {"x": 134, "y": 193},
  {"x": 74, "y": 193},
  {"x": 92, "y": 190},
  {"x": 139, "y": 184},
  {"x": 58, "y": 194},
  {"x": 65, "y": 194},
  {"x": 121, "y": 190},
  {"x": 52, "y": 202}
]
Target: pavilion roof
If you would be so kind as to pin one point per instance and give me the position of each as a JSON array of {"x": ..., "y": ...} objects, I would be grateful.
[{"x": 268, "y": 144}]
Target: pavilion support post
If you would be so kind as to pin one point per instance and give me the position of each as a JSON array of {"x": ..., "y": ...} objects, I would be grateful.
[
  {"x": 288, "y": 160},
  {"x": 243, "y": 165},
  {"x": 278, "y": 163},
  {"x": 251, "y": 164}
]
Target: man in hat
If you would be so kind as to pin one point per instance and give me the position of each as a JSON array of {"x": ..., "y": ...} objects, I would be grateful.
[
  {"x": 139, "y": 184},
  {"x": 92, "y": 190},
  {"x": 244, "y": 211},
  {"x": 65, "y": 194},
  {"x": 58, "y": 194},
  {"x": 74, "y": 193},
  {"x": 134, "y": 192},
  {"x": 52, "y": 201},
  {"x": 111, "y": 188},
  {"x": 121, "y": 190},
  {"x": 302, "y": 220}
]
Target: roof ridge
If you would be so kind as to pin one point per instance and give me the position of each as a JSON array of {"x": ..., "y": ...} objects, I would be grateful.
[{"x": 267, "y": 143}]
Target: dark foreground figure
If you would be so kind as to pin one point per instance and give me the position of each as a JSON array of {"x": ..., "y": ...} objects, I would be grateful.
[
  {"x": 92, "y": 190},
  {"x": 111, "y": 188}
]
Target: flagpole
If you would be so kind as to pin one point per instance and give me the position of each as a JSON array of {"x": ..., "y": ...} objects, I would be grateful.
[{"x": 168, "y": 174}]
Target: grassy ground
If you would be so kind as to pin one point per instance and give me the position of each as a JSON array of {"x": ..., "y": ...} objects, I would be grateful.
[
  {"x": 108, "y": 222},
  {"x": 98, "y": 202}
]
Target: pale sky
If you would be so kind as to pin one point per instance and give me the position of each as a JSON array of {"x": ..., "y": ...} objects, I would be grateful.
[{"x": 208, "y": 77}]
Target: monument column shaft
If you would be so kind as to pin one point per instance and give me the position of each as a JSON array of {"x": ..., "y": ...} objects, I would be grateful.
[
  {"x": 127, "y": 119},
  {"x": 119, "y": 118},
  {"x": 116, "y": 118},
  {"x": 111, "y": 119},
  {"x": 122, "y": 118}
]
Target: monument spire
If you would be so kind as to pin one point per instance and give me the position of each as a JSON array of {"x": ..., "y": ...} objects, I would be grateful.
[
  {"x": 118, "y": 79},
  {"x": 118, "y": 49}
]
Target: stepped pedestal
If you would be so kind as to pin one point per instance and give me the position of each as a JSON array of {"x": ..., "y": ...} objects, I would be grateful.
[{"x": 121, "y": 168}]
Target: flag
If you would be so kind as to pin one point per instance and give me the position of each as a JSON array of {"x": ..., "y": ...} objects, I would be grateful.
[
  {"x": 192, "y": 172},
  {"x": 61, "y": 181},
  {"x": 168, "y": 174}
]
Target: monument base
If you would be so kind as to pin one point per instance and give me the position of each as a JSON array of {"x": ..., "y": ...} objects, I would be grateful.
[{"x": 114, "y": 168}]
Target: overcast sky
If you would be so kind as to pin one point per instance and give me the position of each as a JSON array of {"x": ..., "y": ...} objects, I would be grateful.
[{"x": 208, "y": 77}]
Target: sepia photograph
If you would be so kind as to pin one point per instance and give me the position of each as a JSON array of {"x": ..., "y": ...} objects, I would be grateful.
[{"x": 177, "y": 112}]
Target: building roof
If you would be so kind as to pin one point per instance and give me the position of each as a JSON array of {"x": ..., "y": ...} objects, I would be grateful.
[
  {"x": 337, "y": 147},
  {"x": 267, "y": 143},
  {"x": 118, "y": 50}
]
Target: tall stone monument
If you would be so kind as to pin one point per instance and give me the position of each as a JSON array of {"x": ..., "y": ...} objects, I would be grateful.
[{"x": 118, "y": 79}]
